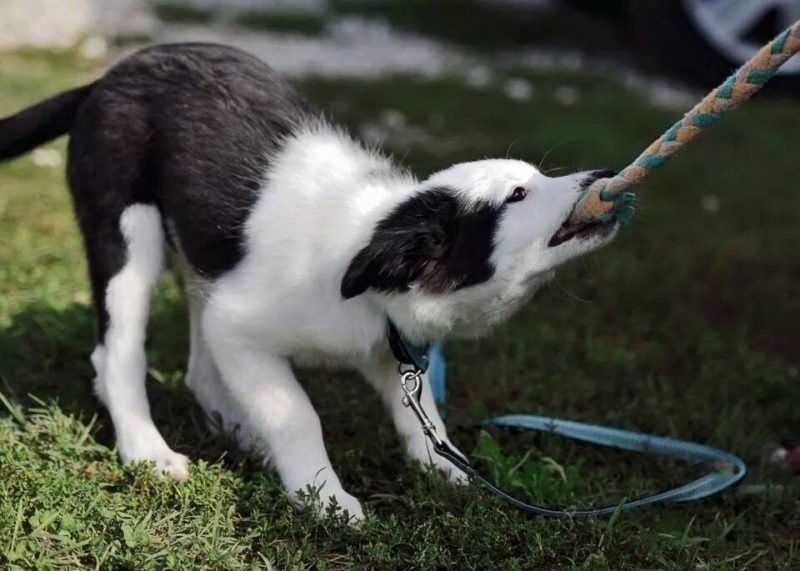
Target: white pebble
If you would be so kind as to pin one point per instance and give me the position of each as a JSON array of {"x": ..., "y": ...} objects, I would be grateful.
[
  {"x": 82, "y": 297},
  {"x": 94, "y": 47},
  {"x": 393, "y": 119},
  {"x": 710, "y": 203},
  {"x": 46, "y": 158},
  {"x": 518, "y": 89},
  {"x": 778, "y": 456},
  {"x": 478, "y": 76},
  {"x": 567, "y": 95}
]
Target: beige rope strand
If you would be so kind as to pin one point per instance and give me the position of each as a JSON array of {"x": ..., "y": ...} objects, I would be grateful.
[{"x": 737, "y": 88}]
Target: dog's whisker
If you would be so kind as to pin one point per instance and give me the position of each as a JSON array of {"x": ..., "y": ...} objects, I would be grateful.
[
  {"x": 508, "y": 150},
  {"x": 550, "y": 150},
  {"x": 569, "y": 294},
  {"x": 554, "y": 169}
]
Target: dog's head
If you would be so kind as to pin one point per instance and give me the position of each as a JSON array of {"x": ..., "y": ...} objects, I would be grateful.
[{"x": 471, "y": 245}]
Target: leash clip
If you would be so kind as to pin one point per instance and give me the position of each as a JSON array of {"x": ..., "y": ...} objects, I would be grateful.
[{"x": 411, "y": 381}]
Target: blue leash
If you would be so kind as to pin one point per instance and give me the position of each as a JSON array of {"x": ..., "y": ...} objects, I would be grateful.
[{"x": 729, "y": 469}]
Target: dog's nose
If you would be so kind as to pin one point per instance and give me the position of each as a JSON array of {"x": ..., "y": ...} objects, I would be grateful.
[
  {"x": 604, "y": 173},
  {"x": 596, "y": 175}
]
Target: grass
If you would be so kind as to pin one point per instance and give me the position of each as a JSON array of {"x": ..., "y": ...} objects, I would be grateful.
[
  {"x": 686, "y": 326},
  {"x": 483, "y": 27},
  {"x": 298, "y": 22},
  {"x": 181, "y": 13},
  {"x": 471, "y": 22},
  {"x": 287, "y": 21}
]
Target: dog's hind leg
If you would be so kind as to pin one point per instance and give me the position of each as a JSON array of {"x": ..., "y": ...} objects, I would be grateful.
[
  {"x": 277, "y": 409},
  {"x": 204, "y": 380},
  {"x": 202, "y": 376},
  {"x": 125, "y": 261}
]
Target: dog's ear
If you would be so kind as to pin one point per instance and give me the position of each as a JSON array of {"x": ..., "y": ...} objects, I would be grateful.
[
  {"x": 431, "y": 240},
  {"x": 404, "y": 245},
  {"x": 361, "y": 272}
]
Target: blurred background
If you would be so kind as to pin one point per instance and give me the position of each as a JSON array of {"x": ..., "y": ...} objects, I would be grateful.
[
  {"x": 694, "y": 40},
  {"x": 687, "y": 325}
]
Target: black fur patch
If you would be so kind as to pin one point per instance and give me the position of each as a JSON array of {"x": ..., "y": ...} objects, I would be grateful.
[
  {"x": 431, "y": 239},
  {"x": 596, "y": 175},
  {"x": 189, "y": 128},
  {"x": 40, "y": 123}
]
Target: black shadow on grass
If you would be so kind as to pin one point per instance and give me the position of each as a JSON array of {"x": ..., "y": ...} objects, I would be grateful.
[{"x": 45, "y": 353}]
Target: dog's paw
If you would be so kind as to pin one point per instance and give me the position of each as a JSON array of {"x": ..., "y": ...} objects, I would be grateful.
[
  {"x": 427, "y": 457},
  {"x": 448, "y": 470},
  {"x": 167, "y": 463},
  {"x": 174, "y": 466},
  {"x": 321, "y": 502},
  {"x": 348, "y": 505},
  {"x": 453, "y": 474}
]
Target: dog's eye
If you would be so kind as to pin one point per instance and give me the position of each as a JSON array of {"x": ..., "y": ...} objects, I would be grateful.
[{"x": 518, "y": 194}]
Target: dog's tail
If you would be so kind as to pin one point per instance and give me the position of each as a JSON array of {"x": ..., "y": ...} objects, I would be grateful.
[{"x": 38, "y": 124}]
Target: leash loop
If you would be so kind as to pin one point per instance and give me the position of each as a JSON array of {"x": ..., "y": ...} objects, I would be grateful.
[{"x": 707, "y": 485}]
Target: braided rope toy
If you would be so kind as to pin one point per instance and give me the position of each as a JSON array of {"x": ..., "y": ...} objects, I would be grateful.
[{"x": 606, "y": 197}]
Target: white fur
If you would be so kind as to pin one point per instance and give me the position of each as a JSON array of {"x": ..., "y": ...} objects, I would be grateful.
[
  {"x": 522, "y": 260},
  {"x": 282, "y": 306},
  {"x": 120, "y": 363}
]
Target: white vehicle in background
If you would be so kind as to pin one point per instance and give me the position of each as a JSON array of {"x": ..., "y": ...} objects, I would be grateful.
[
  {"x": 705, "y": 39},
  {"x": 697, "y": 40}
]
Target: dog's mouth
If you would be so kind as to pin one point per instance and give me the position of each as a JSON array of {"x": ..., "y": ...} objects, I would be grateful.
[
  {"x": 619, "y": 214},
  {"x": 582, "y": 230}
]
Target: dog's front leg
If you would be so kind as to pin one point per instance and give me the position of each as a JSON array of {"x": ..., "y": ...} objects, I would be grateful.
[
  {"x": 280, "y": 414},
  {"x": 381, "y": 373}
]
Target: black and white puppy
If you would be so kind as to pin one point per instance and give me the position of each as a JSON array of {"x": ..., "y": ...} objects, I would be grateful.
[{"x": 295, "y": 243}]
